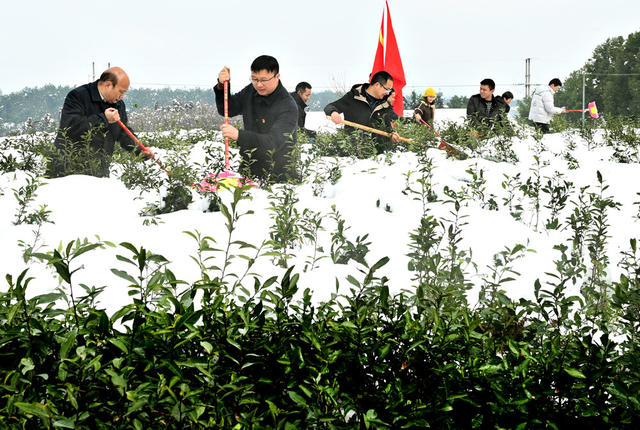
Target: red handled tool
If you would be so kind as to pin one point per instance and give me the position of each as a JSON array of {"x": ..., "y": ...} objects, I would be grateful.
[
  {"x": 592, "y": 109},
  {"x": 144, "y": 148},
  {"x": 225, "y": 179},
  {"x": 451, "y": 150}
]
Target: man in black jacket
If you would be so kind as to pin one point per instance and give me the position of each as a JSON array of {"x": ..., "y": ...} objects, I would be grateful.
[
  {"x": 366, "y": 104},
  {"x": 301, "y": 96},
  {"x": 485, "y": 110},
  {"x": 89, "y": 127},
  {"x": 507, "y": 98},
  {"x": 270, "y": 118}
]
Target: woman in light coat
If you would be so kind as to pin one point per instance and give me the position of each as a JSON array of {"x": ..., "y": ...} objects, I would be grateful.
[{"x": 542, "y": 108}]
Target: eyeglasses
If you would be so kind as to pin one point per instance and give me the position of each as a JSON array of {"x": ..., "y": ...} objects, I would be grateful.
[
  {"x": 261, "y": 81},
  {"x": 386, "y": 90}
]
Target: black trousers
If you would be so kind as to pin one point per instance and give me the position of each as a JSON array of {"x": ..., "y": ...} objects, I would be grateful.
[{"x": 542, "y": 127}]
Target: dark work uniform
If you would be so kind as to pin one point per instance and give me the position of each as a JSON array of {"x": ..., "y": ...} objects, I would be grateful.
[
  {"x": 83, "y": 126},
  {"x": 302, "y": 114},
  {"x": 360, "y": 107},
  {"x": 270, "y": 130},
  {"x": 486, "y": 113}
]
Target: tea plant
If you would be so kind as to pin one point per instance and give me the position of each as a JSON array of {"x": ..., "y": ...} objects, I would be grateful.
[
  {"x": 462, "y": 136},
  {"x": 232, "y": 215},
  {"x": 213, "y": 160},
  {"x": 625, "y": 298},
  {"x": 323, "y": 173},
  {"x": 588, "y": 133},
  {"x": 150, "y": 214},
  {"x": 558, "y": 191},
  {"x": 637, "y": 215},
  {"x": 63, "y": 261},
  {"x": 512, "y": 200},
  {"x": 424, "y": 193},
  {"x": 452, "y": 283},
  {"x": 25, "y": 195},
  {"x": 501, "y": 271},
  {"x": 621, "y": 135},
  {"x": 80, "y": 157},
  {"x": 343, "y": 144},
  {"x": 179, "y": 183},
  {"x": 422, "y": 137},
  {"x": 531, "y": 189},
  {"x": 499, "y": 146},
  {"x": 477, "y": 188},
  {"x": 595, "y": 289},
  {"x": 311, "y": 226},
  {"x": 501, "y": 319},
  {"x": 425, "y": 258},
  {"x": 213, "y": 275},
  {"x": 38, "y": 218},
  {"x": 572, "y": 163},
  {"x": 147, "y": 281},
  {"x": 26, "y": 152},
  {"x": 143, "y": 176},
  {"x": 286, "y": 232},
  {"x": 342, "y": 249},
  {"x": 580, "y": 219}
]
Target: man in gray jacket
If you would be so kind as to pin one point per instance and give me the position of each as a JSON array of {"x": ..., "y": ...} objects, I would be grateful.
[{"x": 542, "y": 108}]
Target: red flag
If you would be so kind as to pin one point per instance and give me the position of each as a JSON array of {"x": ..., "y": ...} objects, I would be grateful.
[
  {"x": 378, "y": 62},
  {"x": 392, "y": 62}
]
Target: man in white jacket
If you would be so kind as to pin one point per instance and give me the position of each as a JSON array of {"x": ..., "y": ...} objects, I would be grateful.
[{"x": 542, "y": 108}]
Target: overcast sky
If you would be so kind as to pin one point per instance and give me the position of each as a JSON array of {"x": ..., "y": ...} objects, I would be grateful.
[{"x": 449, "y": 45}]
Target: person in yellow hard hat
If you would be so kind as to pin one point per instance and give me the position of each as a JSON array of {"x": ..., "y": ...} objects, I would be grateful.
[{"x": 427, "y": 109}]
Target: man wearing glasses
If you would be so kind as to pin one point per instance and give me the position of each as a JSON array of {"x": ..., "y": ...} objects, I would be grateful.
[
  {"x": 366, "y": 104},
  {"x": 270, "y": 117}
]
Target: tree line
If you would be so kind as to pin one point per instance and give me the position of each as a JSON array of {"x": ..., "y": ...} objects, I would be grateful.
[
  {"x": 612, "y": 78},
  {"x": 38, "y": 103}
]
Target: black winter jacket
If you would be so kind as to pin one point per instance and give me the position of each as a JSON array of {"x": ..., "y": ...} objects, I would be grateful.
[
  {"x": 302, "y": 114},
  {"x": 477, "y": 111},
  {"x": 83, "y": 112},
  {"x": 270, "y": 130},
  {"x": 356, "y": 108},
  {"x": 507, "y": 106}
]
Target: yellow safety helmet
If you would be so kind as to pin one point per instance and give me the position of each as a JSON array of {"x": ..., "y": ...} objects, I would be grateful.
[{"x": 430, "y": 92}]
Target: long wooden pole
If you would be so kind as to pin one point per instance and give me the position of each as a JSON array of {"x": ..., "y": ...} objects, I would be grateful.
[{"x": 373, "y": 130}]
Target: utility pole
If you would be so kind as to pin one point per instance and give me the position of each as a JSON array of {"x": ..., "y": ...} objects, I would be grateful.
[
  {"x": 527, "y": 77},
  {"x": 93, "y": 66},
  {"x": 584, "y": 85}
]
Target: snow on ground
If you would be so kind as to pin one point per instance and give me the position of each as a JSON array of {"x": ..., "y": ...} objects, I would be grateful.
[{"x": 83, "y": 207}]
